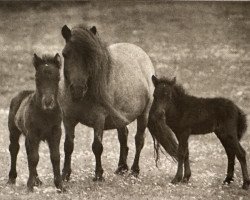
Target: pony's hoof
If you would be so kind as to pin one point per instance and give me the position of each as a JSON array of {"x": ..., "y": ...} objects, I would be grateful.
[
  {"x": 176, "y": 180},
  {"x": 134, "y": 174},
  {"x": 38, "y": 182},
  {"x": 121, "y": 170},
  {"x": 11, "y": 181},
  {"x": 65, "y": 176},
  {"x": 61, "y": 189},
  {"x": 228, "y": 180},
  {"x": 245, "y": 185},
  {"x": 98, "y": 179},
  {"x": 185, "y": 180},
  {"x": 30, "y": 189}
]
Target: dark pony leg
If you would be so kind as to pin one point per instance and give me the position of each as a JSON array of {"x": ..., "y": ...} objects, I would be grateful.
[
  {"x": 123, "y": 138},
  {"x": 240, "y": 154},
  {"x": 32, "y": 145},
  {"x": 183, "y": 146},
  {"x": 230, "y": 156},
  {"x": 54, "y": 143},
  {"x": 13, "y": 148},
  {"x": 68, "y": 148},
  {"x": 187, "y": 170},
  {"x": 97, "y": 148},
  {"x": 139, "y": 142}
]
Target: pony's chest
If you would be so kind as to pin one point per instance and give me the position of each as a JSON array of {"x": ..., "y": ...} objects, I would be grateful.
[
  {"x": 46, "y": 127},
  {"x": 84, "y": 112}
]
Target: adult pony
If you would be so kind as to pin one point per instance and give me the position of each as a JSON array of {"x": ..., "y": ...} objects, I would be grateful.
[{"x": 105, "y": 88}]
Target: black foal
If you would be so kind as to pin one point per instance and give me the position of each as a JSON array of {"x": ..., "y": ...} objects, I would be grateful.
[
  {"x": 37, "y": 115},
  {"x": 187, "y": 115}
]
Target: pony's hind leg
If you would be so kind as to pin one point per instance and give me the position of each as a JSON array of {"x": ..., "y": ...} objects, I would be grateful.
[
  {"x": 68, "y": 148},
  {"x": 230, "y": 156},
  {"x": 13, "y": 148},
  {"x": 187, "y": 170},
  {"x": 139, "y": 142},
  {"x": 123, "y": 138},
  {"x": 241, "y": 155}
]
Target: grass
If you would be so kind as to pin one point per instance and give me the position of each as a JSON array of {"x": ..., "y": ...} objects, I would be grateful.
[{"x": 205, "y": 44}]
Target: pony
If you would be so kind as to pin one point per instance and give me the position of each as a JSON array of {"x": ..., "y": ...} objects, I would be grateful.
[
  {"x": 105, "y": 87},
  {"x": 37, "y": 115},
  {"x": 189, "y": 115}
]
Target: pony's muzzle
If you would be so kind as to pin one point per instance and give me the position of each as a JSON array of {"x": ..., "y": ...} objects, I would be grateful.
[
  {"x": 48, "y": 103},
  {"x": 78, "y": 91}
]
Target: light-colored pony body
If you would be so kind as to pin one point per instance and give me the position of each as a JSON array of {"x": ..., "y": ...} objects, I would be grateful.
[{"x": 104, "y": 88}]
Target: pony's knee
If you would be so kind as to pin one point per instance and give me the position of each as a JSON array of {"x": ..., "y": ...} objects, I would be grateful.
[
  {"x": 139, "y": 140},
  {"x": 156, "y": 115},
  {"x": 14, "y": 148},
  {"x": 97, "y": 147},
  {"x": 55, "y": 157},
  {"x": 69, "y": 145}
]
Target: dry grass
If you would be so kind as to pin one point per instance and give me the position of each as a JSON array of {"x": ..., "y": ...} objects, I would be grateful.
[{"x": 207, "y": 42}]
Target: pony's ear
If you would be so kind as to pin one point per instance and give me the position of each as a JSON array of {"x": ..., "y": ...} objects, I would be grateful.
[
  {"x": 57, "y": 60},
  {"x": 93, "y": 30},
  {"x": 66, "y": 33},
  {"x": 37, "y": 61},
  {"x": 173, "y": 81},
  {"x": 155, "y": 80}
]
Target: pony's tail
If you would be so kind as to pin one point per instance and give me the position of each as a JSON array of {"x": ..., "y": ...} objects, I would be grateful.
[
  {"x": 163, "y": 137},
  {"x": 241, "y": 124}
]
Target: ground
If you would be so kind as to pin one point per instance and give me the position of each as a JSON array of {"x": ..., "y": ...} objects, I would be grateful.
[{"x": 206, "y": 45}]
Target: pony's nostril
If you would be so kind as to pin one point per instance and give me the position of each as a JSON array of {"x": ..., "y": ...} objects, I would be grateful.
[
  {"x": 85, "y": 87},
  {"x": 48, "y": 102},
  {"x": 76, "y": 92}
]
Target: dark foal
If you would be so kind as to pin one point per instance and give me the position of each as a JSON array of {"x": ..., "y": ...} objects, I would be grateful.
[
  {"x": 37, "y": 115},
  {"x": 186, "y": 115}
]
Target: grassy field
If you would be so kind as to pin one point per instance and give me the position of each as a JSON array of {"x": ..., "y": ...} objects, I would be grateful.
[{"x": 207, "y": 45}]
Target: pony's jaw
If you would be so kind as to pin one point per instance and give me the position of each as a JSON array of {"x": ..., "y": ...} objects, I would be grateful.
[{"x": 77, "y": 92}]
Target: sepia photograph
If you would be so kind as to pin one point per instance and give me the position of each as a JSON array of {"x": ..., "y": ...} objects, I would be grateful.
[{"x": 124, "y": 100}]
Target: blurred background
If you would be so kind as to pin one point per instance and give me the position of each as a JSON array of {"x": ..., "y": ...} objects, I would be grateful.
[{"x": 205, "y": 44}]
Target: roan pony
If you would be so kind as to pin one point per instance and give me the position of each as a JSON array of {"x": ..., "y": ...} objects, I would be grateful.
[
  {"x": 105, "y": 87},
  {"x": 187, "y": 115},
  {"x": 37, "y": 115}
]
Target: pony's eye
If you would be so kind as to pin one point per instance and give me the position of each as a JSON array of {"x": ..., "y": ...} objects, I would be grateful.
[{"x": 64, "y": 55}]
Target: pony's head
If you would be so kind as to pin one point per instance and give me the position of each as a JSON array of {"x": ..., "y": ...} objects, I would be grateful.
[
  {"x": 47, "y": 80},
  {"x": 79, "y": 58},
  {"x": 163, "y": 93}
]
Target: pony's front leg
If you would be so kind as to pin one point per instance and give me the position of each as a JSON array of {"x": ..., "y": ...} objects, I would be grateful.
[
  {"x": 32, "y": 145},
  {"x": 54, "y": 143},
  {"x": 187, "y": 170},
  {"x": 182, "y": 150},
  {"x": 68, "y": 147},
  {"x": 97, "y": 148}
]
